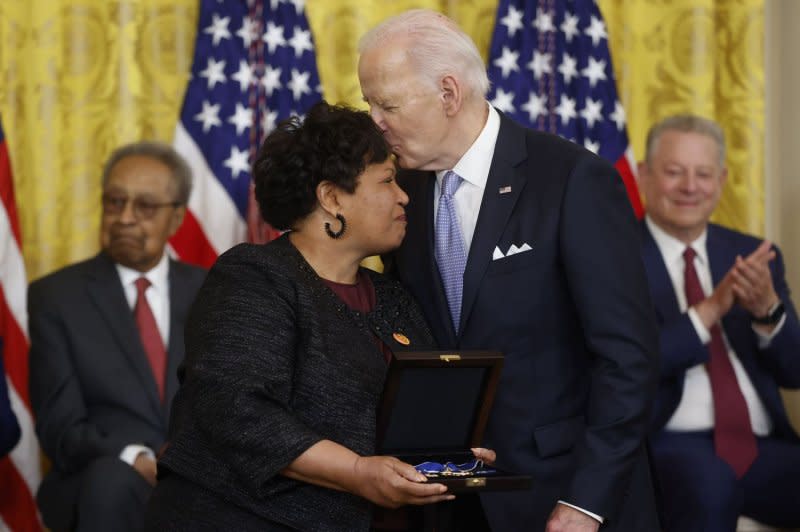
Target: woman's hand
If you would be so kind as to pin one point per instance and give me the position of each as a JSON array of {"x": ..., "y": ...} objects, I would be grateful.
[
  {"x": 386, "y": 481},
  {"x": 487, "y": 455}
]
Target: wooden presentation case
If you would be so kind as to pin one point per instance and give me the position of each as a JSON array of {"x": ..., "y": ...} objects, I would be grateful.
[{"x": 435, "y": 407}]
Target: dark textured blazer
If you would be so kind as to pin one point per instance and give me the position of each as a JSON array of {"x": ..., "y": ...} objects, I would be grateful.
[
  {"x": 572, "y": 316},
  {"x": 777, "y": 365},
  {"x": 91, "y": 386},
  {"x": 275, "y": 363}
]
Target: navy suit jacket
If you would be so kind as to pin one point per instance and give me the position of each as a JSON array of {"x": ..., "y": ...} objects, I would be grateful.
[
  {"x": 681, "y": 349},
  {"x": 92, "y": 389},
  {"x": 572, "y": 317}
]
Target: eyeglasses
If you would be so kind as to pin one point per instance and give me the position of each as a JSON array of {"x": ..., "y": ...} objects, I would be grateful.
[{"x": 143, "y": 209}]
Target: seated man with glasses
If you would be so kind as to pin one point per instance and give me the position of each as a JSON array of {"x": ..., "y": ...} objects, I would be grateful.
[{"x": 106, "y": 340}]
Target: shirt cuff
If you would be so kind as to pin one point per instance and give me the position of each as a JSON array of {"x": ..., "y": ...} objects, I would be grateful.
[
  {"x": 130, "y": 452},
  {"x": 699, "y": 328},
  {"x": 765, "y": 339},
  {"x": 587, "y": 512}
]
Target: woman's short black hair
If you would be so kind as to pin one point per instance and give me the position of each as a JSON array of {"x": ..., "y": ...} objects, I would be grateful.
[{"x": 333, "y": 142}]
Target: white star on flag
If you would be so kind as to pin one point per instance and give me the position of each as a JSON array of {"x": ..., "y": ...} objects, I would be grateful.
[
  {"x": 512, "y": 21},
  {"x": 540, "y": 64},
  {"x": 507, "y": 62},
  {"x": 618, "y": 116},
  {"x": 209, "y": 116},
  {"x": 595, "y": 71},
  {"x": 214, "y": 72},
  {"x": 536, "y": 106},
  {"x": 570, "y": 26},
  {"x": 568, "y": 68},
  {"x": 271, "y": 79},
  {"x": 597, "y": 31},
  {"x": 566, "y": 109},
  {"x": 237, "y": 162},
  {"x": 248, "y": 32},
  {"x": 218, "y": 29},
  {"x": 274, "y": 37},
  {"x": 543, "y": 21},
  {"x": 504, "y": 101},
  {"x": 242, "y": 118},
  {"x": 244, "y": 76},
  {"x": 592, "y": 111},
  {"x": 301, "y": 41},
  {"x": 299, "y": 84}
]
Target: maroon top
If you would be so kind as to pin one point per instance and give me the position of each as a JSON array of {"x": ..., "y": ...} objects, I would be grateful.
[{"x": 360, "y": 297}]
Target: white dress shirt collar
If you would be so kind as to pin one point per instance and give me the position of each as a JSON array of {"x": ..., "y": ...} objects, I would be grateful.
[
  {"x": 672, "y": 249},
  {"x": 158, "y": 275},
  {"x": 473, "y": 167}
]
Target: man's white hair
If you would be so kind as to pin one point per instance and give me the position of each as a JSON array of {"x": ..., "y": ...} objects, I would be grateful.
[{"x": 435, "y": 46}]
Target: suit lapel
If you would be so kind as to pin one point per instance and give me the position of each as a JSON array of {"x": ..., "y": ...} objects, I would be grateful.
[
  {"x": 496, "y": 208},
  {"x": 106, "y": 292},
  {"x": 720, "y": 257},
  {"x": 663, "y": 292},
  {"x": 180, "y": 300}
]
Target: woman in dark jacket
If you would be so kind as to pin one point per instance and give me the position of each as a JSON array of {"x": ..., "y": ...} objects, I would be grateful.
[{"x": 287, "y": 345}]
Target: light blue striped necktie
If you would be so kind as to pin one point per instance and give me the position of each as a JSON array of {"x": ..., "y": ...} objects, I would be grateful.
[{"x": 451, "y": 256}]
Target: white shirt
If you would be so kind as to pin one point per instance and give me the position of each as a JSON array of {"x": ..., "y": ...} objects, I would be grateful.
[
  {"x": 473, "y": 167},
  {"x": 157, "y": 295},
  {"x": 696, "y": 408}
]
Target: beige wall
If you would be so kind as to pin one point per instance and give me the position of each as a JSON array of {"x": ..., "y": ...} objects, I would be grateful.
[{"x": 782, "y": 209}]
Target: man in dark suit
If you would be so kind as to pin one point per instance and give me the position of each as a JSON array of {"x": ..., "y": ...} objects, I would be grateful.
[
  {"x": 544, "y": 246},
  {"x": 106, "y": 340},
  {"x": 722, "y": 442}
]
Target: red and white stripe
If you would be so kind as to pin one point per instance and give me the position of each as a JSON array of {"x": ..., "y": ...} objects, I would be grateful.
[
  {"x": 20, "y": 472},
  {"x": 626, "y": 166},
  {"x": 212, "y": 223}
]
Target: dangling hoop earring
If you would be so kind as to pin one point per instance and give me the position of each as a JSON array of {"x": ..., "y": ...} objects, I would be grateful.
[{"x": 336, "y": 234}]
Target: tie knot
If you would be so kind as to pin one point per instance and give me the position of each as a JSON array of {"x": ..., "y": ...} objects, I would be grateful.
[
  {"x": 141, "y": 284},
  {"x": 450, "y": 183},
  {"x": 689, "y": 254}
]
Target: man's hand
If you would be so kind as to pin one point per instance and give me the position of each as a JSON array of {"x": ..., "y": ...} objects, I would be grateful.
[
  {"x": 487, "y": 455},
  {"x": 146, "y": 466},
  {"x": 567, "y": 519},
  {"x": 714, "y": 307},
  {"x": 753, "y": 281},
  {"x": 748, "y": 283}
]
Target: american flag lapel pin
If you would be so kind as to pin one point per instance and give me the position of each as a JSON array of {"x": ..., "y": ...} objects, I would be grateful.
[{"x": 505, "y": 190}]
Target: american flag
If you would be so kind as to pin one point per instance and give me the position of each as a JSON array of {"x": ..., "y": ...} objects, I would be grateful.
[
  {"x": 20, "y": 472},
  {"x": 254, "y": 65},
  {"x": 550, "y": 69}
]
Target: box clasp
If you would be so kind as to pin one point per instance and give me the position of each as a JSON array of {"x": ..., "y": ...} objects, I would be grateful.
[
  {"x": 476, "y": 482},
  {"x": 449, "y": 357}
]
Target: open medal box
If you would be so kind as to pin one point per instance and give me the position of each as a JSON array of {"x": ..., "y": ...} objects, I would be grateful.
[{"x": 434, "y": 408}]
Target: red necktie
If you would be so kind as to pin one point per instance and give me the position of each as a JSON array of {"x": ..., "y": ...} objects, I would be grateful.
[
  {"x": 734, "y": 441},
  {"x": 151, "y": 337}
]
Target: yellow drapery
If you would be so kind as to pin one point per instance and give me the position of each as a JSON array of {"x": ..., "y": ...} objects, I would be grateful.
[{"x": 80, "y": 77}]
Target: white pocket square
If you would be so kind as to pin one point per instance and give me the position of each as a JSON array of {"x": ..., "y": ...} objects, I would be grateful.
[{"x": 512, "y": 250}]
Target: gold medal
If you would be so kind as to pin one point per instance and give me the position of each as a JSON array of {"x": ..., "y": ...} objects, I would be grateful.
[{"x": 401, "y": 338}]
